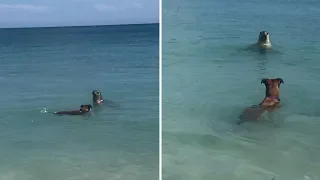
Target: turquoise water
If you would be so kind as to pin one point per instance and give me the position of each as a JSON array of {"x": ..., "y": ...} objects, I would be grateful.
[
  {"x": 208, "y": 80},
  {"x": 57, "y": 69}
]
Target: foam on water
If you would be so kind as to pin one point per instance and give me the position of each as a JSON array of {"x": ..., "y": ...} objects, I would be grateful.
[{"x": 208, "y": 80}]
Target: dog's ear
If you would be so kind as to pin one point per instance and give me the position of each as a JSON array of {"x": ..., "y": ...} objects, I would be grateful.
[
  {"x": 263, "y": 81},
  {"x": 280, "y": 81},
  {"x": 81, "y": 108}
]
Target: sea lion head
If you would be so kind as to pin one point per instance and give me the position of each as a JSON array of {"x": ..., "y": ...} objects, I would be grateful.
[
  {"x": 97, "y": 97},
  {"x": 264, "y": 38}
]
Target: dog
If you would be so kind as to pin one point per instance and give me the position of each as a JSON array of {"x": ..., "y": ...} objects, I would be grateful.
[
  {"x": 269, "y": 103},
  {"x": 84, "y": 109},
  {"x": 97, "y": 97}
]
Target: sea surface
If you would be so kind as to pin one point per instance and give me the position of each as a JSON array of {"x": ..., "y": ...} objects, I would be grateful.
[
  {"x": 209, "y": 79},
  {"x": 44, "y": 70}
]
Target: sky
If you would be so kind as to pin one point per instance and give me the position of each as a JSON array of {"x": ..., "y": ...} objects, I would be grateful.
[{"x": 35, "y": 13}]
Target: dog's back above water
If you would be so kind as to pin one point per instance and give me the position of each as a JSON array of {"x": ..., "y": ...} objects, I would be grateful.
[
  {"x": 252, "y": 113},
  {"x": 84, "y": 109}
]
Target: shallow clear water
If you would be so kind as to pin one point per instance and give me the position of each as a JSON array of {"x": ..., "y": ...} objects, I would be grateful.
[
  {"x": 208, "y": 80},
  {"x": 57, "y": 69}
]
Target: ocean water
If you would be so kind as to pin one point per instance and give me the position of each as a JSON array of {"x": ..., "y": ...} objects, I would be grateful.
[
  {"x": 56, "y": 69},
  {"x": 208, "y": 80}
]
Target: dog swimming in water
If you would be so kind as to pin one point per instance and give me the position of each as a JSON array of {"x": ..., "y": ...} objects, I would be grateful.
[
  {"x": 270, "y": 102},
  {"x": 84, "y": 109}
]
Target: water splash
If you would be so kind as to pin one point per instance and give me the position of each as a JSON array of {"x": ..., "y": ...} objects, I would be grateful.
[{"x": 44, "y": 110}]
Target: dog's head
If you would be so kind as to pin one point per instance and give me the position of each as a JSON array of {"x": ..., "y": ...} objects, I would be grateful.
[
  {"x": 85, "y": 108},
  {"x": 272, "y": 84},
  {"x": 264, "y": 37},
  {"x": 97, "y": 96}
]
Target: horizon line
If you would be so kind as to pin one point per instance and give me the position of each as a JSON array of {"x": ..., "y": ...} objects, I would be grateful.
[{"x": 92, "y": 25}]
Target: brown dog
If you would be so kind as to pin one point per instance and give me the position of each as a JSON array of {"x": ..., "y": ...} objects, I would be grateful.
[
  {"x": 269, "y": 103},
  {"x": 83, "y": 110}
]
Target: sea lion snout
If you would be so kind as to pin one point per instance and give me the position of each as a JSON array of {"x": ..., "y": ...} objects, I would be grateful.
[
  {"x": 264, "y": 33},
  {"x": 95, "y": 92}
]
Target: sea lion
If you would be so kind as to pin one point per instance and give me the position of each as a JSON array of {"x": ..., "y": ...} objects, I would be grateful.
[
  {"x": 83, "y": 110},
  {"x": 263, "y": 42},
  {"x": 270, "y": 102},
  {"x": 97, "y": 97}
]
